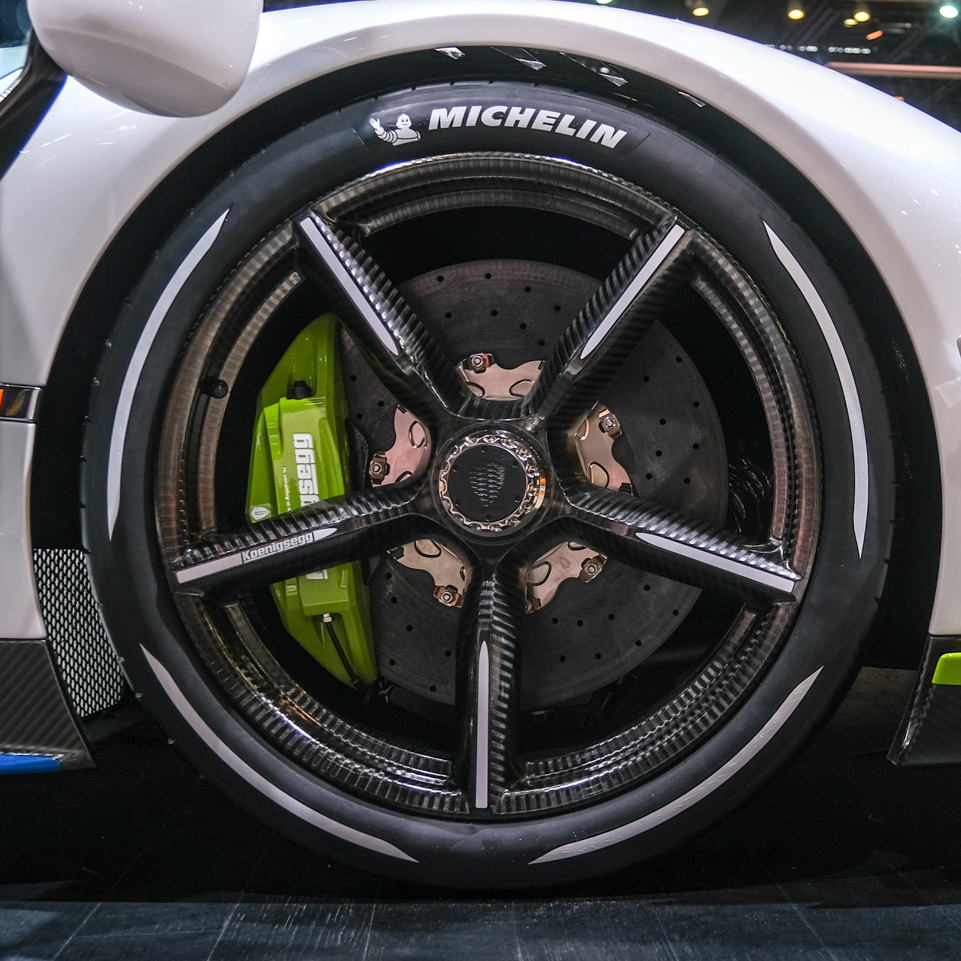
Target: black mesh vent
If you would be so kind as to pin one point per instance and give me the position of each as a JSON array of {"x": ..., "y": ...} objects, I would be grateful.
[{"x": 86, "y": 660}]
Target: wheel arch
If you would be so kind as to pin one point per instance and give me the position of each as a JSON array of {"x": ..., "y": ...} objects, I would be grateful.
[{"x": 903, "y": 622}]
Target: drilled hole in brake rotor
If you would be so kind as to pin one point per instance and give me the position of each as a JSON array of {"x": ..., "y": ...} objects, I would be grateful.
[{"x": 616, "y": 441}]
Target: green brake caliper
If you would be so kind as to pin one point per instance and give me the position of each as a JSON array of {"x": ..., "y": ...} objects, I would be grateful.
[{"x": 299, "y": 457}]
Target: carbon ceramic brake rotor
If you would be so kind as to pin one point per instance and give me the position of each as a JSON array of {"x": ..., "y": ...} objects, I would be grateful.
[{"x": 592, "y": 629}]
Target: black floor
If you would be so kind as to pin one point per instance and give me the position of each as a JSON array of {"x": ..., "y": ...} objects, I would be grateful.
[{"x": 844, "y": 857}]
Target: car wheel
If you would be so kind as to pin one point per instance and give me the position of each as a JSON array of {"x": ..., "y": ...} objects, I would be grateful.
[{"x": 488, "y": 485}]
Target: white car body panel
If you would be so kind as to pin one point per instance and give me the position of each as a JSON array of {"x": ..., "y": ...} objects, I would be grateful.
[
  {"x": 892, "y": 173},
  {"x": 21, "y": 610},
  {"x": 143, "y": 55}
]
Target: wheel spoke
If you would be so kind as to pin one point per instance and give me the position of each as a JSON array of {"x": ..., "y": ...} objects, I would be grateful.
[
  {"x": 684, "y": 550},
  {"x": 612, "y": 323},
  {"x": 489, "y": 684},
  {"x": 373, "y": 310},
  {"x": 309, "y": 539}
]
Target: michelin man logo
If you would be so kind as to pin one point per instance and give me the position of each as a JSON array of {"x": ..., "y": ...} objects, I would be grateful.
[{"x": 404, "y": 132}]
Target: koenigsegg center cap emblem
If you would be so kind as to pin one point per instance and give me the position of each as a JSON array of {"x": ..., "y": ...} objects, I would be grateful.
[
  {"x": 487, "y": 481},
  {"x": 491, "y": 481}
]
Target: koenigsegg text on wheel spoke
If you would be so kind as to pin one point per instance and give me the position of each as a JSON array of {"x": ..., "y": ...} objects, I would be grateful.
[
  {"x": 612, "y": 323},
  {"x": 674, "y": 546},
  {"x": 378, "y": 317},
  {"x": 314, "y": 538}
]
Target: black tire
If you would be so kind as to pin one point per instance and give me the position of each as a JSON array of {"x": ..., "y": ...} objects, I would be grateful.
[{"x": 737, "y": 587}]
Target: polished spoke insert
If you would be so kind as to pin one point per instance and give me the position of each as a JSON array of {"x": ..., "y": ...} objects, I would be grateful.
[
  {"x": 612, "y": 323},
  {"x": 377, "y": 317},
  {"x": 678, "y": 548},
  {"x": 489, "y": 684}
]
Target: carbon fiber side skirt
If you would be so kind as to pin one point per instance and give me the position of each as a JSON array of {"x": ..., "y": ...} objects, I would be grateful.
[
  {"x": 36, "y": 721},
  {"x": 930, "y": 731}
]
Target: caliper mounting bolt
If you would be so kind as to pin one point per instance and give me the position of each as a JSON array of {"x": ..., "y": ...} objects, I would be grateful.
[{"x": 299, "y": 390}]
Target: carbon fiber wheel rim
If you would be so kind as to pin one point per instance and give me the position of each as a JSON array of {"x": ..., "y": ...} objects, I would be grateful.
[{"x": 729, "y": 553}]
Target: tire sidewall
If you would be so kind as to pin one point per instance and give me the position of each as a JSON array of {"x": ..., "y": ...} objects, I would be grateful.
[{"x": 129, "y": 579}]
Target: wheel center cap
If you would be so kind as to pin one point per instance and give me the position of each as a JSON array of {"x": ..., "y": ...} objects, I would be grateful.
[{"x": 491, "y": 481}]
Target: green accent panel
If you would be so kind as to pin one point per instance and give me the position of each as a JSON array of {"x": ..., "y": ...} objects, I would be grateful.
[
  {"x": 948, "y": 670},
  {"x": 300, "y": 456}
]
